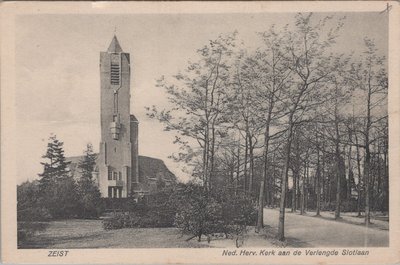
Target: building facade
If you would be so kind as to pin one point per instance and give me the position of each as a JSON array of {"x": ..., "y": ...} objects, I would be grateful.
[{"x": 118, "y": 169}]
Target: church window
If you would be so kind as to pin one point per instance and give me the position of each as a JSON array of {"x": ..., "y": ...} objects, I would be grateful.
[
  {"x": 109, "y": 174},
  {"x": 110, "y": 192},
  {"x": 115, "y": 174},
  {"x": 119, "y": 175}
]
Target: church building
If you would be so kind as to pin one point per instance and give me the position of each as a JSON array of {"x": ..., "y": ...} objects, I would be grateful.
[{"x": 120, "y": 172}]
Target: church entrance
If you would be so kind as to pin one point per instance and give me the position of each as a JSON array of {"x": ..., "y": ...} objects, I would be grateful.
[{"x": 114, "y": 192}]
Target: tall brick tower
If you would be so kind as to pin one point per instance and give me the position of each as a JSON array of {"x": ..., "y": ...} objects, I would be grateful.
[{"x": 118, "y": 158}]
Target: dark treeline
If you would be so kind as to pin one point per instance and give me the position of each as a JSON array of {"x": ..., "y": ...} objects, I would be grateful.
[
  {"x": 57, "y": 194},
  {"x": 292, "y": 123}
]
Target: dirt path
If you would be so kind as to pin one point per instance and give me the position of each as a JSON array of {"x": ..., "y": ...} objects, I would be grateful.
[{"x": 310, "y": 231}]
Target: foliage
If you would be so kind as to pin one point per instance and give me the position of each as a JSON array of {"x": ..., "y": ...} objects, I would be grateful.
[
  {"x": 57, "y": 188},
  {"x": 201, "y": 212},
  {"x": 56, "y": 194},
  {"x": 28, "y": 208},
  {"x": 55, "y": 166},
  {"x": 89, "y": 194},
  {"x": 32, "y": 217},
  {"x": 157, "y": 210},
  {"x": 198, "y": 98},
  {"x": 238, "y": 212},
  {"x": 191, "y": 208}
]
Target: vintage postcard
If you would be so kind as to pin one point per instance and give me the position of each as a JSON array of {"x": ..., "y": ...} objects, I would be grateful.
[{"x": 200, "y": 133}]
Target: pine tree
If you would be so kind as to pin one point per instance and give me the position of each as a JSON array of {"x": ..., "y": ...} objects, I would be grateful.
[
  {"x": 89, "y": 194},
  {"x": 57, "y": 188},
  {"x": 55, "y": 166}
]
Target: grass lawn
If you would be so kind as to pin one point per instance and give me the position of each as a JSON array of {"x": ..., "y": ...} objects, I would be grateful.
[{"x": 77, "y": 233}]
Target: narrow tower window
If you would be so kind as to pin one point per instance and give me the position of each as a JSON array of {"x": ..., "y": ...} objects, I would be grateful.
[
  {"x": 115, "y": 69},
  {"x": 109, "y": 173}
]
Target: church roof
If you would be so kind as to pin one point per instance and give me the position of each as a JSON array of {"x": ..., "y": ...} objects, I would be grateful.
[
  {"x": 133, "y": 118},
  {"x": 149, "y": 168},
  {"x": 114, "y": 45}
]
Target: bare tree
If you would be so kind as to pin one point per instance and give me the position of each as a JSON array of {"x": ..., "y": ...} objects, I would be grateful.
[
  {"x": 197, "y": 96},
  {"x": 308, "y": 49},
  {"x": 267, "y": 76},
  {"x": 370, "y": 78}
]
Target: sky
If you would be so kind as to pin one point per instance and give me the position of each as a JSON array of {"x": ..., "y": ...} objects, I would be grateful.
[{"x": 58, "y": 77}]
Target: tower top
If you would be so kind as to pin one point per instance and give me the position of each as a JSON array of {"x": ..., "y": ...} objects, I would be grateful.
[{"x": 114, "y": 45}]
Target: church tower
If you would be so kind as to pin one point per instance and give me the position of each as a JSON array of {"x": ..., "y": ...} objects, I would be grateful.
[{"x": 118, "y": 158}]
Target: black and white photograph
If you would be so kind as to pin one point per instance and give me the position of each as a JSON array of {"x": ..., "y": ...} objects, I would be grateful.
[{"x": 251, "y": 133}]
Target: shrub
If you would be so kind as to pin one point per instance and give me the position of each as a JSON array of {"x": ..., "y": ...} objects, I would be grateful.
[
  {"x": 157, "y": 210},
  {"x": 201, "y": 212},
  {"x": 36, "y": 213},
  {"x": 238, "y": 213},
  {"x": 115, "y": 222},
  {"x": 29, "y": 206},
  {"x": 152, "y": 219},
  {"x": 200, "y": 215}
]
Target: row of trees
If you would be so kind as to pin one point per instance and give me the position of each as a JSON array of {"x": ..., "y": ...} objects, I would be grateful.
[
  {"x": 291, "y": 119},
  {"x": 57, "y": 194}
]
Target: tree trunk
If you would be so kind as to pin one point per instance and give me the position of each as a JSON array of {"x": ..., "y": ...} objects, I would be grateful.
[
  {"x": 367, "y": 185},
  {"x": 379, "y": 178},
  {"x": 281, "y": 225},
  {"x": 317, "y": 175},
  {"x": 273, "y": 182},
  {"x": 296, "y": 177},
  {"x": 359, "y": 186},
  {"x": 251, "y": 158},
  {"x": 337, "y": 154},
  {"x": 211, "y": 174},
  {"x": 324, "y": 189},
  {"x": 246, "y": 151},
  {"x": 317, "y": 184},
  {"x": 237, "y": 168},
  {"x": 337, "y": 210},
  {"x": 294, "y": 193},
  {"x": 367, "y": 156},
  {"x": 302, "y": 195},
  {"x": 350, "y": 176},
  {"x": 306, "y": 188},
  {"x": 260, "y": 217},
  {"x": 260, "y": 213},
  {"x": 385, "y": 190},
  {"x": 205, "y": 159},
  {"x": 340, "y": 176}
]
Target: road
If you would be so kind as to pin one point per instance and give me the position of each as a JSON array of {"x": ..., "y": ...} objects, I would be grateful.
[{"x": 310, "y": 231}]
